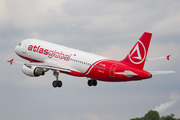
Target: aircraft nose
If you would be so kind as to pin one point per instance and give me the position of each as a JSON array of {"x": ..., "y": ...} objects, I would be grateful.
[{"x": 17, "y": 48}]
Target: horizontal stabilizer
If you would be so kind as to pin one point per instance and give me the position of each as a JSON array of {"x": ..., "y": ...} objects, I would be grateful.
[
  {"x": 158, "y": 58},
  {"x": 161, "y": 72},
  {"x": 127, "y": 73}
]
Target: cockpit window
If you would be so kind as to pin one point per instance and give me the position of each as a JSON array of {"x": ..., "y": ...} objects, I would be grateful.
[{"x": 19, "y": 44}]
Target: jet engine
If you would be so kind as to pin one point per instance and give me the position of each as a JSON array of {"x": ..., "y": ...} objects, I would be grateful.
[{"x": 32, "y": 71}]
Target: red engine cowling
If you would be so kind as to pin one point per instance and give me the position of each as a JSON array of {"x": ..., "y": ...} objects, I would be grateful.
[{"x": 32, "y": 71}]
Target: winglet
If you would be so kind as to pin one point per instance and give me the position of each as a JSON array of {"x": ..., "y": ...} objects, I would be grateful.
[
  {"x": 11, "y": 61},
  {"x": 168, "y": 57}
]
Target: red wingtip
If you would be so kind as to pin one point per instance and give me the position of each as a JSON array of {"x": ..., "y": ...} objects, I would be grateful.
[
  {"x": 11, "y": 61},
  {"x": 168, "y": 57}
]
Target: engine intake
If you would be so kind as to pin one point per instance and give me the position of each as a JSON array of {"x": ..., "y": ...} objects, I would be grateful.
[{"x": 32, "y": 71}]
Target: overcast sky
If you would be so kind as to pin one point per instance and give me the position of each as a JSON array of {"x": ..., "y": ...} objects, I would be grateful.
[{"x": 106, "y": 27}]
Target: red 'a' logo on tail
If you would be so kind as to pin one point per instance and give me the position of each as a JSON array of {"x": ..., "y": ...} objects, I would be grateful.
[{"x": 137, "y": 56}]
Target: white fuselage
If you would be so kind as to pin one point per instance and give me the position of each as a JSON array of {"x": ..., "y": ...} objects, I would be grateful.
[{"x": 36, "y": 49}]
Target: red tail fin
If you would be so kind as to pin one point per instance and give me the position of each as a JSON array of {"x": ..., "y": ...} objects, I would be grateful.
[{"x": 137, "y": 56}]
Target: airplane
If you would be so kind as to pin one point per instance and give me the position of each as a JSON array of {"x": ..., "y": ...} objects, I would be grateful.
[{"x": 44, "y": 56}]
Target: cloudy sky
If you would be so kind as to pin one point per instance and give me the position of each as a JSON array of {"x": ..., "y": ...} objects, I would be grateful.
[{"x": 106, "y": 27}]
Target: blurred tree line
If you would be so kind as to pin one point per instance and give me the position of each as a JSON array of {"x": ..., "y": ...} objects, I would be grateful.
[{"x": 154, "y": 115}]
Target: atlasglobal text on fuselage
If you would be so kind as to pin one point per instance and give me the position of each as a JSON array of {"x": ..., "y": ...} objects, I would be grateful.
[
  {"x": 45, "y": 56},
  {"x": 49, "y": 53}
]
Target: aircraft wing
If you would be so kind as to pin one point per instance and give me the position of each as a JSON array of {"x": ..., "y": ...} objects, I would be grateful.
[
  {"x": 161, "y": 72},
  {"x": 48, "y": 64}
]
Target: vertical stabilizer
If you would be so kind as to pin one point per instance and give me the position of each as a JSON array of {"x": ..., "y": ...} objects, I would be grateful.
[{"x": 137, "y": 55}]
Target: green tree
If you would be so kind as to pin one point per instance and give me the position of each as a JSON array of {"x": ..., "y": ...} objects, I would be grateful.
[
  {"x": 152, "y": 115},
  {"x": 137, "y": 119},
  {"x": 168, "y": 117}
]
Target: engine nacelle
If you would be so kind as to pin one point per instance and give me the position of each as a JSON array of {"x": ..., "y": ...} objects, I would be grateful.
[{"x": 32, "y": 71}]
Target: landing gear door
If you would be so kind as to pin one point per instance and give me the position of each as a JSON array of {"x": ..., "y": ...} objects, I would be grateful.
[{"x": 112, "y": 70}]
